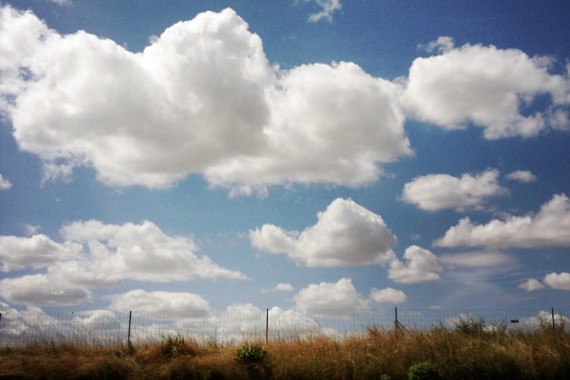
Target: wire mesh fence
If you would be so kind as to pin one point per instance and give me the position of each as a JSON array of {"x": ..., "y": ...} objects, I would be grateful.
[{"x": 103, "y": 327}]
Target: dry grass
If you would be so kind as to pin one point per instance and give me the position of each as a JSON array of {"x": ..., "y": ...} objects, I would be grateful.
[{"x": 544, "y": 354}]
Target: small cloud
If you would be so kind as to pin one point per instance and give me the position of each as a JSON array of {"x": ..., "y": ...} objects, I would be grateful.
[
  {"x": 525, "y": 176},
  {"x": 436, "y": 192},
  {"x": 421, "y": 265},
  {"x": 531, "y": 285},
  {"x": 61, "y": 2},
  {"x": 326, "y": 299},
  {"x": 30, "y": 229},
  {"x": 328, "y": 7},
  {"x": 477, "y": 259},
  {"x": 161, "y": 303},
  {"x": 388, "y": 295},
  {"x": 283, "y": 287},
  {"x": 443, "y": 44},
  {"x": 559, "y": 281},
  {"x": 4, "y": 183}
]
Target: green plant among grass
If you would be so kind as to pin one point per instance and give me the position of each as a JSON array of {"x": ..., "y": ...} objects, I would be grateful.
[
  {"x": 426, "y": 370},
  {"x": 469, "y": 325},
  {"x": 250, "y": 353}
]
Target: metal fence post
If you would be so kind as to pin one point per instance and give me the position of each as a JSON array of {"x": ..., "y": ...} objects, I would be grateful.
[
  {"x": 129, "y": 331},
  {"x": 267, "y": 326}
]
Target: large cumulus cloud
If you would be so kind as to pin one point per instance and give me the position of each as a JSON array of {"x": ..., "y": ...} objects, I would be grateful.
[
  {"x": 202, "y": 98},
  {"x": 345, "y": 234},
  {"x": 547, "y": 228},
  {"x": 486, "y": 86}
]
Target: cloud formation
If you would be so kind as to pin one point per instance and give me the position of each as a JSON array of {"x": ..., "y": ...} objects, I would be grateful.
[
  {"x": 436, "y": 192},
  {"x": 420, "y": 266},
  {"x": 328, "y": 7},
  {"x": 37, "y": 251},
  {"x": 160, "y": 304},
  {"x": 42, "y": 290},
  {"x": 140, "y": 252},
  {"x": 201, "y": 99},
  {"x": 558, "y": 280},
  {"x": 204, "y": 99},
  {"x": 486, "y": 86},
  {"x": 547, "y": 228},
  {"x": 4, "y": 183},
  {"x": 345, "y": 234},
  {"x": 330, "y": 299},
  {"x": 387, "y": 295},
  {"x": 524, "y": 176},
  {"x": 98, "y": 255},
  {"x": 476, "y": 259},
  {"x": 532, "y": 285}
]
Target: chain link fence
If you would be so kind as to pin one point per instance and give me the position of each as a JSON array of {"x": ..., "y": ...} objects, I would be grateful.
[{"x": 103, "y": 327}]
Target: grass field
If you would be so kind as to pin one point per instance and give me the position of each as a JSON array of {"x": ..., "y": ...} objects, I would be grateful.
[{"x": 465, "y": 352}]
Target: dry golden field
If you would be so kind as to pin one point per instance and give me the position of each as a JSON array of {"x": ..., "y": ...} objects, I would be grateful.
[{"x": 375, "y": 354}]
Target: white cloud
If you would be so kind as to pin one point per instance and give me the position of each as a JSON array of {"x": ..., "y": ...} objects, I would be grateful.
[
  {"x": 43, "y": 290},
  {"x": 330, "y": 299},
  {"x": 30, "y": 229},
  {"x": 531, "y": 285},
  {"x": 202, "y": 98},
  {"x": 558, "y": 280},
  {"x": 485, "y": 86},
  {"x": 544, "y": 319},
  {"x": 345, "y": 234},
  {"x": 388, "y": 295},
  {"x": 37, "y": 251},
  {"x": 98, "y": 320},
  {"x": 61, "y": 2},
  {"x": 435, "y": 192},
  {"x": 420, "y": 266},
  {"x": 140, "y": 252},
  {"x": 32, "y": 322},
  {"x": 281, "y": 287},
  {"x": 329, "y": 123},
  {"x": 161, "y": 304},
  {"x": 525, "y": 176},
  {"x": 328, "y": 7},
  {"x": 239, "y": 321},
  {"x": 476, "y": 259},
  {"x": 4, "y": 183},
  {"x": 96, "y": 255},
  {"x": 443, "y": 44},
  {"x": 548, "y": 228},
  {"x": 284, "y": 287}
]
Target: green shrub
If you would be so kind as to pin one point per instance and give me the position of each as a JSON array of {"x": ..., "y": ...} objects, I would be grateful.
[
  {"x": 173, "y": 345},
  {"x": 250, "y": 353},
  {"x": 470, "y": 326},
  {"x": 423, "y": 371}
]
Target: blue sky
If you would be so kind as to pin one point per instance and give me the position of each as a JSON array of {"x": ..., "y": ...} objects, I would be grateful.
[{"x": 308, "y": 156}]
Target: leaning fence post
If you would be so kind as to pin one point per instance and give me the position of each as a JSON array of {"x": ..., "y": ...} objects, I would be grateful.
[
  {"x": 267, "y": 326},
  {"x": 129, "y": 331},
  {"x": 553, "y": 323}
]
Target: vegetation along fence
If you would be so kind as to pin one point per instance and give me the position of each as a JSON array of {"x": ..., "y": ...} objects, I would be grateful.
[{"x": 103, "y": 327}]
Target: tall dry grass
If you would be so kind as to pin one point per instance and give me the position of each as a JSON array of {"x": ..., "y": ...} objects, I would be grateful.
[{"x": 376, "y": 354}]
